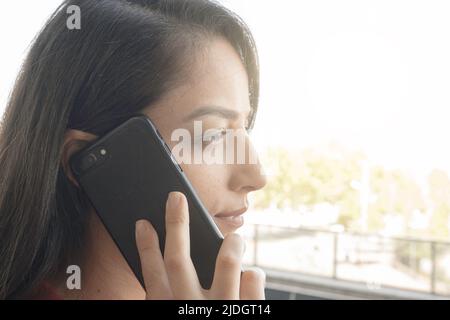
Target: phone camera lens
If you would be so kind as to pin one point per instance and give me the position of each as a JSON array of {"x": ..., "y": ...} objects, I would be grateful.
[
  {"x": 91, "y": 159},
  {"x": 88, "y": 161}
]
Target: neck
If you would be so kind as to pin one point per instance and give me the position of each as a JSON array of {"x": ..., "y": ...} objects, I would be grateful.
[{"x": 105, "y": 274}]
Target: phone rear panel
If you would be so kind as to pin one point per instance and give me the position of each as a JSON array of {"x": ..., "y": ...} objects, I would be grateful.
[{"x": 130, "y": 180}]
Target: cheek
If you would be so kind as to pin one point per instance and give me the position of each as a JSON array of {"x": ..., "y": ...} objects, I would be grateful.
[{"x": 209, "y": 182}]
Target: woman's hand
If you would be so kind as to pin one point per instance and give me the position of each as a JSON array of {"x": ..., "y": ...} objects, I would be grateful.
[{"x": 174, "y": 276}]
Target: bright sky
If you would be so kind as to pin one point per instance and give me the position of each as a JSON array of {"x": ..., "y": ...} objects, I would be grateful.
[{"x": 369, "y": 74}]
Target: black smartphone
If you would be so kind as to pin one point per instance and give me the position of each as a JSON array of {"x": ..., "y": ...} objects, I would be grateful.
[{"x": 127, "y": 175}]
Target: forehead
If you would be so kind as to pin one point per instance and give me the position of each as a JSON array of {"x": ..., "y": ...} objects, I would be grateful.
[{"x": 217, "y": 77}]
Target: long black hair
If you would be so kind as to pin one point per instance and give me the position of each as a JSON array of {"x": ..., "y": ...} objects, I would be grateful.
[{"x": 126, "y": 55}]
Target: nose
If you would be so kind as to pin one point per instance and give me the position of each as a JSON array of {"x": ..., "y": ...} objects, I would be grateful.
[{"x": 250, "y": 175}]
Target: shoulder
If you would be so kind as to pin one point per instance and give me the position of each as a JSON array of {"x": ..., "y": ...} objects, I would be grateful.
[{"x": 44, "y": 291}]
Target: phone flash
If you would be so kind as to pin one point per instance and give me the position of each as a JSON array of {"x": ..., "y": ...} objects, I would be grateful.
[{"x": 103, "y": 152}]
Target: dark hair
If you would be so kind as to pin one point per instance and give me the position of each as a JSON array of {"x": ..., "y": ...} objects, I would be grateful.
[{"x": 126, "y": 55}]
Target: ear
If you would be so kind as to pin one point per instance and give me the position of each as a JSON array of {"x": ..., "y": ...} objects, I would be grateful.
[{"x": 74, "y": 140}]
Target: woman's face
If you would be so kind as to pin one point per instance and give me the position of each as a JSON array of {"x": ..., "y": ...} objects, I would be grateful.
[{"x": 217, "y": 95}]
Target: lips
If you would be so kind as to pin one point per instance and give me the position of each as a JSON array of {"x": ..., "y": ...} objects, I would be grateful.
[
  {"x": 231, "y": 213},
  {"x": 233, "y": 219}
]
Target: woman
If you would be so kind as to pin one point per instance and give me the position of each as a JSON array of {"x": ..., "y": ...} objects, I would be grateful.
[{"x": 169, "y": 59}]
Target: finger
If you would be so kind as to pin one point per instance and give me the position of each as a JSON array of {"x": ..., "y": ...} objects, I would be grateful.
[
  {"x": 253, "y": 282},
  {"x": 180, "y": 269},
  {"x": 152, "y": 264},
  {"x": 227, "y": 273}
]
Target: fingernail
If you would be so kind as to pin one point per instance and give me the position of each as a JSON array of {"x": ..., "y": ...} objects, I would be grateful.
[
  {"x": 173, "y": 200},
  {"x": 263, "y": 275},
  {"x": 260, "y": 271},
  {"x": 241, "y": 242},
  {"x": 141, "y": 228}
]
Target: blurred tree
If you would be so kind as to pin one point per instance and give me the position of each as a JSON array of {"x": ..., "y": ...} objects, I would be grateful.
[
  {"x": 310, "y": 177},
  {"x": 331, "y": 174},
  {"x": 439, "y": 194},
  {"x": 396, "y": 194}
]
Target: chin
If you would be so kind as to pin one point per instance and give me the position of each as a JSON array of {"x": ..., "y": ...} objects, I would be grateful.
[{"x": 226, "y": 228}]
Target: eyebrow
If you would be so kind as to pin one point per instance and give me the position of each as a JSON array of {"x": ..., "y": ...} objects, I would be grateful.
[{"x": 214, "y": 111}]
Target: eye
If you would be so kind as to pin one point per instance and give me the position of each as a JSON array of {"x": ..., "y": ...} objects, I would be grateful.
[
  {"x": 214, "y": 135},
  {"x": 210, "y": 136}
]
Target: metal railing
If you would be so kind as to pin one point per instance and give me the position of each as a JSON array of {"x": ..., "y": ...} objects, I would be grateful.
[{"x": 424, "y": 265}]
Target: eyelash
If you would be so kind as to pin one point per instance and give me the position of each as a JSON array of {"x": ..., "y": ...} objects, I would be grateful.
[{"x": 221, "y": 132}]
